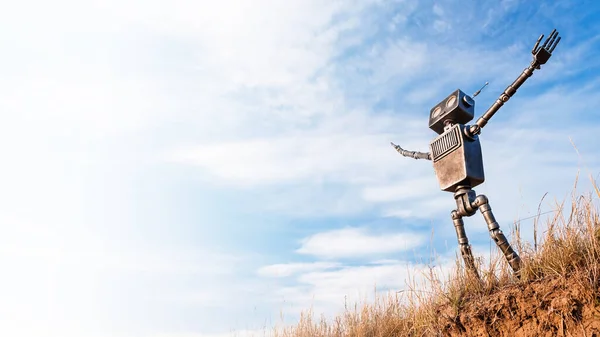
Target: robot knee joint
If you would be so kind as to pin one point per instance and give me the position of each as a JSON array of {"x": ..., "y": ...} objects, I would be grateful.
[
  {"x": 496, "y": 234},
  {"x": 454, "y": 215}
]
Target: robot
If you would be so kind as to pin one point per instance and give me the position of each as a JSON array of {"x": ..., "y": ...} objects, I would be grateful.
[{"x": 457, "y": 158}]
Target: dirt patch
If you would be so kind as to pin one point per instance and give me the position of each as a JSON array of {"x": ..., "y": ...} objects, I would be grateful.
[{"x": 549, "y": 307}]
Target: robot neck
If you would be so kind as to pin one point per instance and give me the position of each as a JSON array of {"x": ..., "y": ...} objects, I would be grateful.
[{"x": 448, "y": 123}]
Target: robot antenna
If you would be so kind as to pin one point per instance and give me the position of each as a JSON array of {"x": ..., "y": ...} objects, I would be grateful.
[{"x": 479, "y": 91}]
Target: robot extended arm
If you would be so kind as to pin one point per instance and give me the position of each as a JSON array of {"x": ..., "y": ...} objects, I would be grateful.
[
  {"x": 540, "y": 57},
  {"x": 412, "y": 154}
]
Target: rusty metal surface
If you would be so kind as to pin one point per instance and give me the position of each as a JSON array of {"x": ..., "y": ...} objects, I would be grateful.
[{"x": 457, "y": 159}]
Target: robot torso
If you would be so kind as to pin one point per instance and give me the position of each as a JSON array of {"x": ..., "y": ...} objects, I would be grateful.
[{"x": 457, "y": 159}]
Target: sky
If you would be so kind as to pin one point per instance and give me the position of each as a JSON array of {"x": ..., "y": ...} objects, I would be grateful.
[{"x": 212, "y": 168}]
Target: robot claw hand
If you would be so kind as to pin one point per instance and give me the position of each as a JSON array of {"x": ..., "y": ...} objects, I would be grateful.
[
  {"x": 411, "y": 154},
  {"x": 541, "y": 54}
]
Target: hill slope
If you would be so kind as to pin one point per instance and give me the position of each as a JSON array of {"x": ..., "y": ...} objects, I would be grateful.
[{"x": 558, "y": 293}]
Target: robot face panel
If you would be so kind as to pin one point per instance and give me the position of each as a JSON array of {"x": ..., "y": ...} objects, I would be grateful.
[{"x": 458, "y": 107}]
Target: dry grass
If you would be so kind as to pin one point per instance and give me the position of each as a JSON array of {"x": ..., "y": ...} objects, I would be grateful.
[{"x": 568, "y": 252}]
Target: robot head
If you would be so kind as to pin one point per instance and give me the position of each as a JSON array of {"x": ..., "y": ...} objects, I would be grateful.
[{"x": 458, "y": 107}]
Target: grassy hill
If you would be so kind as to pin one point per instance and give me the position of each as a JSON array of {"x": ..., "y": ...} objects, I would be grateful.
[{"x": 558, "y": 293}]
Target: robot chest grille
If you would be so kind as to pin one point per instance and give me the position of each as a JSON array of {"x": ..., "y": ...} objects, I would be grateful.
[{"x": 445, "y": 144}]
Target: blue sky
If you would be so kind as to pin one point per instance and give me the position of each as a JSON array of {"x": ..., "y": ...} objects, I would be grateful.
[{"x": 192, "y": 168}]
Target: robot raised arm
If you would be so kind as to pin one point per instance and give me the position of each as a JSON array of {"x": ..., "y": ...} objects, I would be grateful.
[
  {"x": 412, "y": 154},
  {"x": 541, "y": 54}
]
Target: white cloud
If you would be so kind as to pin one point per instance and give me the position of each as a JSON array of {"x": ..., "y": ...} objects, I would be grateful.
[
  {"x": 346, "y": 158},
  {"x": 399, "y": 213},
  {"x": 357, "y": 242},
  {"x": 438, "y": 10},
  {"x": 94, "y": 107},
  {"x": 429, "y": 207},
  {"x": 326, "y": 292},
  {"x": 415, "y": 188},
  {"x": 289, "y": 269}
]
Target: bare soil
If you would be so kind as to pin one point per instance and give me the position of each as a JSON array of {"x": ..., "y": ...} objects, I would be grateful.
[{"x": 547, "y": 307}]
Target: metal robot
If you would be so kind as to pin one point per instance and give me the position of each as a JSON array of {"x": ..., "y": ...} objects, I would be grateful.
[{"x": 457, "y": 158}]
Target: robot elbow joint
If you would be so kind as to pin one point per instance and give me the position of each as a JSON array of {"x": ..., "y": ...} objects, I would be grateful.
[{"x": 481, "y": 200}]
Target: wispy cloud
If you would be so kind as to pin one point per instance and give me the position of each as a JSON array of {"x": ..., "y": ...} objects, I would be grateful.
[
  {"x": 327, "y": 291},
  {"x": 289, "y": 269},
  {"x": 358, "y": 242}
]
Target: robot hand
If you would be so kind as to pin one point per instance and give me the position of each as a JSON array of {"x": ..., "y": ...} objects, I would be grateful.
[
  {"x": 412, "y": 154},
  {"x": 543, "y": 53}
]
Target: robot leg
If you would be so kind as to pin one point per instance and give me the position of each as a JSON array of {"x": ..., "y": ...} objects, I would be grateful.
[
  {"x": 465, "y": 248},
  {"x": 512, "y": 257}
]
